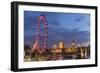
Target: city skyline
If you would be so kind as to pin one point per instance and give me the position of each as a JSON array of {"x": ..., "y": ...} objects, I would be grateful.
[{"x": 61, "y": 26}]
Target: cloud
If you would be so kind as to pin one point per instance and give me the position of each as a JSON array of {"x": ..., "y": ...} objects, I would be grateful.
[
  {"x": 79, "y": 19},
  {"x": 67, "y": 36}
]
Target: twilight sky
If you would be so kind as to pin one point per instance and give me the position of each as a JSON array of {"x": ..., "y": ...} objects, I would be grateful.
[{"x": 61, "y": 26}]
